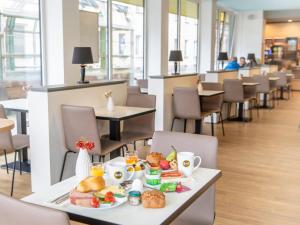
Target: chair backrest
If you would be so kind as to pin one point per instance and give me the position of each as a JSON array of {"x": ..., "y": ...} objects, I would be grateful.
[
  {"x": 186, "y": 103},
  {"x": 142, "y": 83},
  {"x": 144, "y": 123},
  {"x": 17, "y": 212},
  {"x": 79, "y": 122},
  {"x": 6, "y": 142},
  {"x": 214, "y": 102},
  {"x": 283, "y": 79},
  {"x": 234, "y": 91},
  {"x": 133, "y": 90},
  {"x": 203, "y": 209},
  {"x": 264, "y": 83},
  {"x": 249, "y": 91}
]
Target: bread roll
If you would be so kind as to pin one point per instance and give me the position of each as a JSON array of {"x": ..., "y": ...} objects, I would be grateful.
[
  {"x": 91, "y": 184},
  {"x": 154, "y": 158},
  {"x": 153, "y": 199}
]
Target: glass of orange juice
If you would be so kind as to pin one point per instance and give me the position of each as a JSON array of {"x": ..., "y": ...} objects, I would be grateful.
[
  {"x": 97, "y": 169},
  {"x": 131, "y": 157}
]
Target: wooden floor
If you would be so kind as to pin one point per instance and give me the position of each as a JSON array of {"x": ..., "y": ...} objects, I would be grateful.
[{"x": 261, "y": 170}]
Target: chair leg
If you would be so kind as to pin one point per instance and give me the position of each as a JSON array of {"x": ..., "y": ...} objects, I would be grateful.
[
  {"x": 173, "y": 123},
  {"x": 228, "y": 111},
  {"x": 184, "y": 129},
  {"x": 63, "y": 167},
  {"x": 212, "y": 124},
  {"x": 222, "y": 122},
  {"x": 134, "y": 145},
  {"x": 20, "y": 163},
  {"x": 257, "y": 107},
  {"x": 92, "y": 158},
  {"x": 13, "y": 178},
  {"x": 5, "y": 157}
]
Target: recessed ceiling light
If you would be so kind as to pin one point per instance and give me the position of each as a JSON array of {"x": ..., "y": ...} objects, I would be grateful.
[{"x": 290, "y": 21}]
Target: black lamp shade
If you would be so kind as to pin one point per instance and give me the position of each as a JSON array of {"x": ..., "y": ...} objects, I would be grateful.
[
  {"x": 175, "y": 56},
  {"x": 223, "y": 56},
  {"x": 251, "y": 56},
  {"x": 82, "y": 55}
]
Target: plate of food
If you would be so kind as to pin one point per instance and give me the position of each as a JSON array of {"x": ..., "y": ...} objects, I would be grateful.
[
  {"x": 156, "y": 160},
  {"x": 93, "y": 194}
]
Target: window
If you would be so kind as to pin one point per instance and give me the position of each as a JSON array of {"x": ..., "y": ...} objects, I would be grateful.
[
  {"x": 98, "y": 70},
  {"x": 20, "y": 61},
  {"x": 127, "y": 30},
  {"x": 127, "y": 33},
  {"x": 224, "y": 33},
  {"x": 186, "y": 31}
]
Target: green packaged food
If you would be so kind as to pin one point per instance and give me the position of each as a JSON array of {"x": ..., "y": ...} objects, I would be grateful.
[{"x": 168, "y": 187}]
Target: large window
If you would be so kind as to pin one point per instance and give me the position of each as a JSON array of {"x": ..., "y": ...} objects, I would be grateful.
[
  {"x": 183, "y": 33},
  {"x": 126, "y": 26},
  {"x": 20, "y": 62},
  {"x": 224, "y": 32}
]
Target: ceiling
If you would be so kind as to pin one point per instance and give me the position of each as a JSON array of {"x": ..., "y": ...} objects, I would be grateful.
[{"x": 248, "y": 5}]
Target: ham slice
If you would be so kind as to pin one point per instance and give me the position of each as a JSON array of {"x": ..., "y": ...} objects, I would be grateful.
[{"x": 81, "y": 199}]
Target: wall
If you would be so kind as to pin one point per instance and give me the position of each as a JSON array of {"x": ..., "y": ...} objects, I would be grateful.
[
  {"x": 282, "y": 30},
  {"x": 249, "y": 34}
]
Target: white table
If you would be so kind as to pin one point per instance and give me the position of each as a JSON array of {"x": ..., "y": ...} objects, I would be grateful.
[{"x": 126, "y": 214}]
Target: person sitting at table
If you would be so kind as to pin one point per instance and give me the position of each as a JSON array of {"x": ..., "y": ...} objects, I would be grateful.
[
  {"x": 242, "y": 62},
  {"x": 232, "y": 65}
]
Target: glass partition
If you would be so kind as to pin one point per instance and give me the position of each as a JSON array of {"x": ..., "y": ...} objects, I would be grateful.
[{"x": 20, "y": 62}]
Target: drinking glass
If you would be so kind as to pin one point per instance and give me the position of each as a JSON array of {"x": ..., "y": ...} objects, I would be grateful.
[
  {"x": 97, "y": 169},
  {"x": 131, "y": 157}
]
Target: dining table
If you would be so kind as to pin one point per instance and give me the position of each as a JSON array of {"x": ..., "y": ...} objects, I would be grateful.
[
  {"x": 202, "y": 94},
  {"x": 6, "y": 125},
  {"x": 20, "y": 107},
  {"x": 125, "y": 214},
  {"x": 115, "y": 116}
]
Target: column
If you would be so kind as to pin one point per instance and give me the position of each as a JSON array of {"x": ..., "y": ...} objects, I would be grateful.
[
  {"x": 157, "y": 37},
  {"x": 207, "y": 35},
  {"x": 60, "y": 33}
]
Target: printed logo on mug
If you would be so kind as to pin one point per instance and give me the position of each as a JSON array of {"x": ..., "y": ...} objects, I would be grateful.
[
  {"x": 186, "y": 163},
  {"x": 118, "y": 175}
]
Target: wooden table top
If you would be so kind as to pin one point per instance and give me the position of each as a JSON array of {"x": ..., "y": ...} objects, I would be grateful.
[
  {"x": 209, "y": 93},
  {"x": 6, "y": 125},
  {"x": 121, "y": 112}
]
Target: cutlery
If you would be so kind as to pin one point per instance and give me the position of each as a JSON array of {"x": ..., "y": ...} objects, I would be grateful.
[{"x": 64, "y": 196}]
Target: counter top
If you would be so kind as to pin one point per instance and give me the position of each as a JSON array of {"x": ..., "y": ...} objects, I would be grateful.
[
  {"x": 172, "y": 76},
  {"x": 221, "y": 71},
  {"x": 64, "y": 87}
]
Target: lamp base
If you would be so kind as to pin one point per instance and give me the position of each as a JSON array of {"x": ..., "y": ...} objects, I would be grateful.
[{"x": 83, "y": 82}]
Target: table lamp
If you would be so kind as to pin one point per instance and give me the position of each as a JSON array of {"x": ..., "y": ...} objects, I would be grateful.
[
  {"x": 251, "y": 58},
  {"x": 175, "y": 56},
  {"x": 82, "y": 56},
  {"x": 222, "y": 57}
]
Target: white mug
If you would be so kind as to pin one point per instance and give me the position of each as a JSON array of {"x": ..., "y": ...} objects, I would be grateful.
[
  {"x": 118, "y": 172},
  {"x": 186, "y": 163}
]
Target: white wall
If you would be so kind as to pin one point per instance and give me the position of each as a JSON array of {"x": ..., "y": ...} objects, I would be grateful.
[{"x": 249, "y": 34}]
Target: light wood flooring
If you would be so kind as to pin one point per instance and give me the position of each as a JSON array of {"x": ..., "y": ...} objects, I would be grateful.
[{"x": 261, "y": 169}]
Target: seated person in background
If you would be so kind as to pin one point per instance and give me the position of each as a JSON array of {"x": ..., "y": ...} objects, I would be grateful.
[
  {"x": 242, "y": 62},
  {"x": 252, "y": 63},
  {"x": 232, "y": 65}
]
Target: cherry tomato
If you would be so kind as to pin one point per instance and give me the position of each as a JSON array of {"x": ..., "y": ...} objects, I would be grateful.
[
  {"x": 109, "y": 199},
  {"x": 109, "y": 194},
  {"x": 95, "y": 202}
]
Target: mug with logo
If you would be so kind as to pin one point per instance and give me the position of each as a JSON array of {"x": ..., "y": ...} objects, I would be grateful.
[
  {"x": 186, "y": 163},
  {"x": 118, "y": 173}
]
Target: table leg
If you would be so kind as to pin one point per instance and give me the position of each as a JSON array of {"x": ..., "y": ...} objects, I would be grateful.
[
  {"x": 265, "y": 101},
  {"x": 198, "y": 126},
  {"x": 281, "y": 93},
  {"x": 22, "y": 129},
  {"x": 241, "y": 111},
  {"x": 115, "y": 135}
]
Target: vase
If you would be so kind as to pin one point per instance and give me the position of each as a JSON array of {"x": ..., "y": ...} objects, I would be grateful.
[
  {"x": 83, "y": 165},
  {"x": 110, "y": 104}
]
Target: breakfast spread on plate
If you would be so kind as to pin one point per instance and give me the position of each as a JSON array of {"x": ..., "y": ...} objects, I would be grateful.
[{"x": 152, "y": 178}]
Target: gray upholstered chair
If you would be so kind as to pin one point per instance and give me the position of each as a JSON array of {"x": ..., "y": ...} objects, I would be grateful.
[
  {"x": 186, "y": 105},
  {"x": 142, "y": 83},
  {"x": 202, "y": 211},
  {"x": 12, "y": 143},
  {"x": 133, "y": 90},
  {"x": 264, "y": 88},
  {"x": 80, "y": 122},
  {"x": 213, "y": 104},
  {"x": 17, "y": 212},
  {"x": 142, "y": 127},
  {"x": 234, "y": 93},
  {"x": 251, "y": 93},
  {"x": 282, "y": 83}
]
